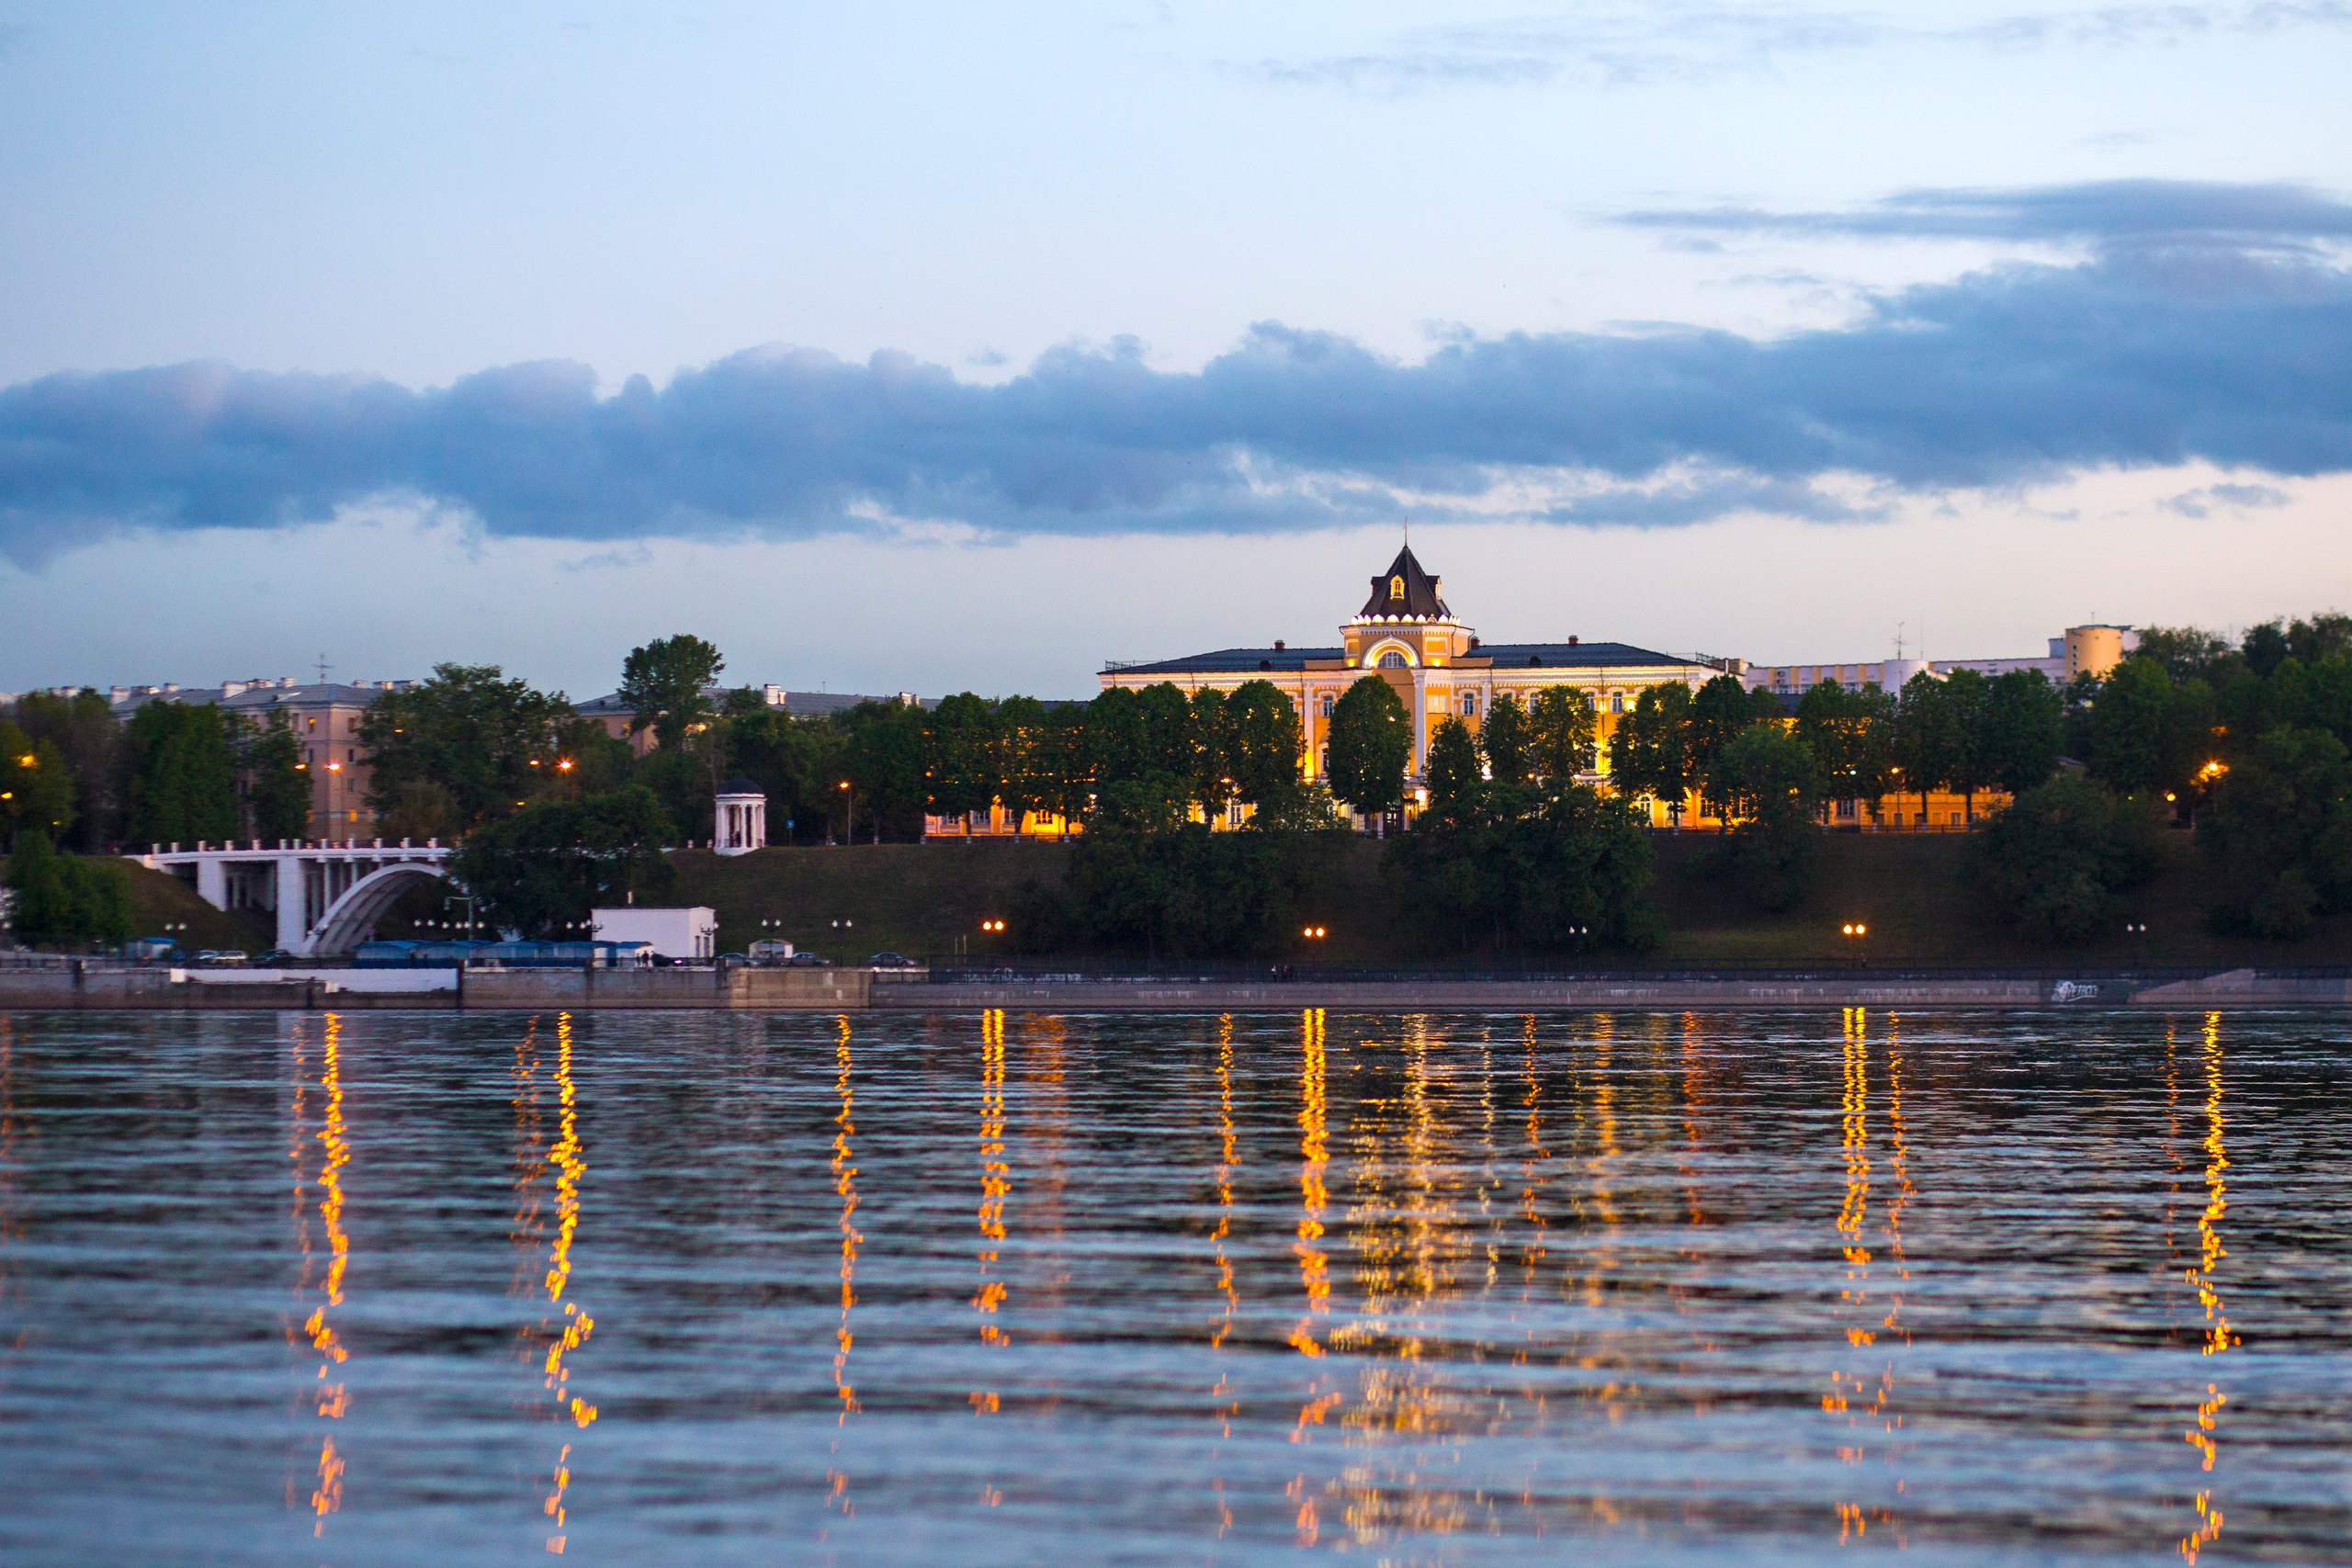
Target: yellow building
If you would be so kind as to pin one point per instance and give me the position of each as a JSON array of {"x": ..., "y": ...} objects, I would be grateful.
[{"x": 1409, "y": 636}]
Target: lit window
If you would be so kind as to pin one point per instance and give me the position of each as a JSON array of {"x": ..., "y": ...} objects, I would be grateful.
[
  {"x": 1396, "y": 588},
  {"x": 1392, "y": 659}
]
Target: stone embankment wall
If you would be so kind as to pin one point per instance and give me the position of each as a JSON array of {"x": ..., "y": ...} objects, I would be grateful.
[
  {"x": 843, "y": 990},
  {"x": 1468, "y": 995},
  {"x": 92, "y": 987}
]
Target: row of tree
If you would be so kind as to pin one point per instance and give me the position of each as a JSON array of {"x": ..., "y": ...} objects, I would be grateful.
[
  {"x": 176, "y": 772},
  {"x": 1964, "y": 733}
]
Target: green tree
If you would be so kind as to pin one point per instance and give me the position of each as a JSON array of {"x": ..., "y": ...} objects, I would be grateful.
[
  {"x": 1457, "y": 788},
  {"x": 1061, "y": 763},
  {"x": 1209, "y": 729},
  {"x": 1508, "y": 738},
  {"x": 464, "y": 746},
  {"x": 1852, "y": 735},
  {"x": 1650, "y": 754},
  {"x": 183, "y": 775},
  {"x": 1573, "y": 873},
  {"x": 541, "y": 868},
  {"x": 66, "y": 900},
  {"x": 2019, "y": 727},
  {"x": 1930, "y": 738},
  {"x": 1018, "y": 736},
  {"x": 882, "y": 757},
  {"x": 37, "y": 785},
  {"x": 1118, "y": 739},
  {"x": 1720, "y": 711},
  {"x": 2055, "y": 861},
  {"x": 662, "y": 682},
  {"x": 1371, "y": 746},
  {"x": 961, "y": 756},
  {"x": 2143, "y": 733},
  {"x": 2277, "y": 839},
  {"x": 276, "y": 785},
  {"x": 2187, "y": 653},
  {"x": 1267, "y": 742},
  {"x": 796, "y": 762},
  {"x": 84, "y": 728},
  {"x": 1177, "y": 890},
  {"x": 1767, "y": 780},
  {"x": 1565, "y": 734}
]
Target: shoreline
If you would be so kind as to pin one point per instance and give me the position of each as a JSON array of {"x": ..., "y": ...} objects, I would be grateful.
[{"x": 80, "y": 990}]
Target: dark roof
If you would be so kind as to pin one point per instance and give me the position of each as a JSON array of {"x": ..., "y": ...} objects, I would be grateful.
[
  {"x": 1228, "y": 660},
  {"x": 740, "y": 786},
  {"x": 254, "y": 696},
  {"x": 1570, "y": 655},
  {"x": 1406, "y": 592}
]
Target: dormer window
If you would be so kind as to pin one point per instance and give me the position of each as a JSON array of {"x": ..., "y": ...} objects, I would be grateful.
[{"x": 1396, "y": 588}]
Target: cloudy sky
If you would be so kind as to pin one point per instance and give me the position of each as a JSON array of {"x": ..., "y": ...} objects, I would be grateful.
[{"x": 940, "y": 346}]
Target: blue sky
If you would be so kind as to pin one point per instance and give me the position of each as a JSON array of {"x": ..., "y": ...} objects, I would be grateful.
[{"x": 922, "y": 347}]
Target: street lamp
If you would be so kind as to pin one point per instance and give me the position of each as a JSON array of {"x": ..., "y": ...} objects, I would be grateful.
[
  {"x": 2138, "y": 931},
  {"x": 1313, "y": 934},
  {"x": 849, "y": 816},
  {"x": 1854, "y": 931}
]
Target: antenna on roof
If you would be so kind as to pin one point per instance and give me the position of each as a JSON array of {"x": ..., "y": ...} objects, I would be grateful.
[{"x": 323, "y": 668}]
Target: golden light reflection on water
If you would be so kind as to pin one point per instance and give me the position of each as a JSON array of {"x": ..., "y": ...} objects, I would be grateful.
[
  {"x": 332, "y": 1400},
  {"x": 996, "y": 1186},
  {"x": 1861, "y": 1395},
  {"x": 568, "y": 1157},
  {"x": 845, "y": 1189},
  {"x": 2204, "y": 1437},
  {"x": 844, "y": 1167}
]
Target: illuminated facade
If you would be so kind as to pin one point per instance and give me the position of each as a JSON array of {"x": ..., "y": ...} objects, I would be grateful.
[{"x": 1406, "y": 635}]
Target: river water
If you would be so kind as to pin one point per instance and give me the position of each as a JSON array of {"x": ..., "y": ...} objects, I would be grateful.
[{"x": 1641, "y": 1286}]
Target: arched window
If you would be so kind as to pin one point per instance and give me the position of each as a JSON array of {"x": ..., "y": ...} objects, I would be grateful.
[
  {"x": 1326, "y": 705},
  {"x": 1616, "y": 702},
  {"x": 1469, "y": 704},
  {"x": 1396, "y": 588},
  {"x": 1392, "y": 659}
]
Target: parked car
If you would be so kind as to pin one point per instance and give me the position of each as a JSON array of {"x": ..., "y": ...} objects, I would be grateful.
[
  {"x": 891, "y": 961},
  {"x": 151, "y": 950},
  {"x": 275, "y": 958},
  {"x": 807, "y": 961},
  {"x": 222, "y": 955}
]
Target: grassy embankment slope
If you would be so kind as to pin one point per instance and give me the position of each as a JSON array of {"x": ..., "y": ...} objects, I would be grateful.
[
  {"x": 158, "y": 897},
  {"x": 1912, "y": 892}
]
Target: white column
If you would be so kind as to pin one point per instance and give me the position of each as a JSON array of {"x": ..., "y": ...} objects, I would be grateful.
[
  {"x": 291, "y": 927},
  {"x": 212, "y": 880}
]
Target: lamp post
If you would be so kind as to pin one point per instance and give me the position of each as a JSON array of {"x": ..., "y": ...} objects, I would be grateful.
[
  {"x": 849, "y": 814},
  {"x": 333, "y": 771},
  {"x": 2138, "y": 931},
  {"x": 1854, "y": 932}
]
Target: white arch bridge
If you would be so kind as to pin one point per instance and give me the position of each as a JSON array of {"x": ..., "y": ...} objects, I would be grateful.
[{"x": 324, "y": 894}]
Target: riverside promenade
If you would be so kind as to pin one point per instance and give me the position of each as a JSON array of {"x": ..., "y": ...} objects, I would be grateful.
[{"x": 91, "y": 986}]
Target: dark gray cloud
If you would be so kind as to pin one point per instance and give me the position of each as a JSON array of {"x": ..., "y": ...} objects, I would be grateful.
[
  {"x": 2113, "y": 213},
  {"x": 1624, "y": 44},
  {"x": 2133, "y": 358}
]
